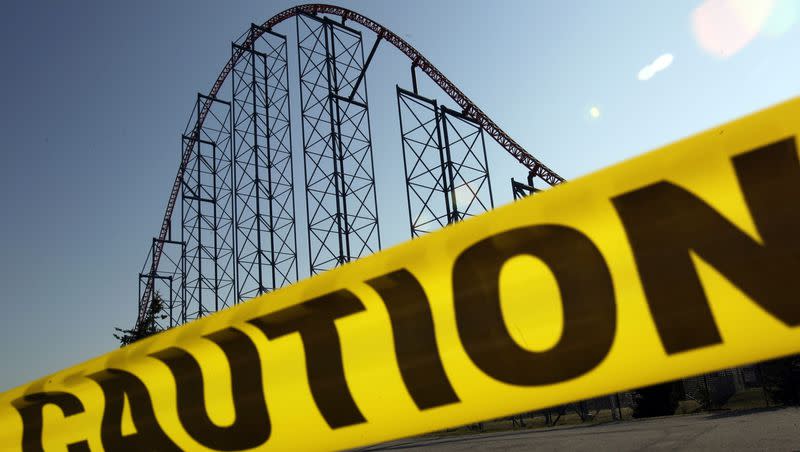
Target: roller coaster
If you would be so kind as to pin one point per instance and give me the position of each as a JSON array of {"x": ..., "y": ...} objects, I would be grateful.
[{"x": 235, "y": 185}]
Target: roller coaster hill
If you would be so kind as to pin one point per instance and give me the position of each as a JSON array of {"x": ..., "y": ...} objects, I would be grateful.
[{"x": 229, "y": 232}]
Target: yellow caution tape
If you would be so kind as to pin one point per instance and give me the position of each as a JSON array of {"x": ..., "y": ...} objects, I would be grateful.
[{"x": 679, "y": 262}]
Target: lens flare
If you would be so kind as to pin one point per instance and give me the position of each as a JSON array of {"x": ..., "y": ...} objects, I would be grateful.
[
  {"x": 724, "y": 27},
  {"x": 658, "y": 65},
  {"x": 783, "y": 18}
]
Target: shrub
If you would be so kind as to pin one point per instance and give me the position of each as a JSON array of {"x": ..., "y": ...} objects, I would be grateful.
[{"x": 147, "y": 328}]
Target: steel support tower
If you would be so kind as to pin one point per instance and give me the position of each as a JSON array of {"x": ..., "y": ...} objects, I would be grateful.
[
  {"x": 169, "y": 281},
  {"x": 337, "y": 146},
  {"x": 446, "y": 169},
  {"x": 234, "y": 182},
  {"x": 207, "y": 214},
  {"x": 266, "y": 243}
]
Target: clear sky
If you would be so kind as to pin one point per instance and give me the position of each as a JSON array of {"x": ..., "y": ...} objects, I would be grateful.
[{"x": 96, "y": 95}]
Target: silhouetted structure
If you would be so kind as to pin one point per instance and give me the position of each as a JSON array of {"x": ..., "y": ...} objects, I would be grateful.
[{"x": 235, "y": 183}]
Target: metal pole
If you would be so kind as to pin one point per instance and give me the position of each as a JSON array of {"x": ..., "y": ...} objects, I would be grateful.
[{"x": 454, "y": 216}]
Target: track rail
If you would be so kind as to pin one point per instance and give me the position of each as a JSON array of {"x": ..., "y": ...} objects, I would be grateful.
[{"x": 470, "y": 110}]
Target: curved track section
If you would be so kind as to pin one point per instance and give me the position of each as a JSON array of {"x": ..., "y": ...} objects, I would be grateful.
[{"x": 469, "y": 109}]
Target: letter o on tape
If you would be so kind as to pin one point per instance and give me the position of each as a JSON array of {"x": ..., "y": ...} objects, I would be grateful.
[{"x": 587, "y": 296}]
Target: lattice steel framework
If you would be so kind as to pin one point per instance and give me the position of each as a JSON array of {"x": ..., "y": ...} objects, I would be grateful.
[
  {"x": 427, "y": 187},
  {"x": 337, "y": 145},
  {"x": 266, "y": 243},
  {"x": 351, "y": 181},
  {"x": 444, "y": 155},
  {"x": 207, "y": 215},
  {"x": 467, "y": 165},
  {"x": 169, "y": 281}
]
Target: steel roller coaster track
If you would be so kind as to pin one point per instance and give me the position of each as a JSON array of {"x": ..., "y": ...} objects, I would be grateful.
[{"x": 469, "y": 110}]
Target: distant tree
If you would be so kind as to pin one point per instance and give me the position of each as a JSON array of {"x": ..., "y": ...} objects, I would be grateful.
[
  {"x": 656, "y": 400},
  {"x": 147, "y": 328},
  {"x": 781, "y": 380}
]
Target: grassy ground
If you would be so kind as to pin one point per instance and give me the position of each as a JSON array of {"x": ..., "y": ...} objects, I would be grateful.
[{"x": 747, "y": 399}]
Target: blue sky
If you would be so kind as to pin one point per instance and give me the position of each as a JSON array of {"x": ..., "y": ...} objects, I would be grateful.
[{"x": 97, "y": 93}]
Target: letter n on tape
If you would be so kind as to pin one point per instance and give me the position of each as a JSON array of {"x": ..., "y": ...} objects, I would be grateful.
[{"x": 665, "y": 222}]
